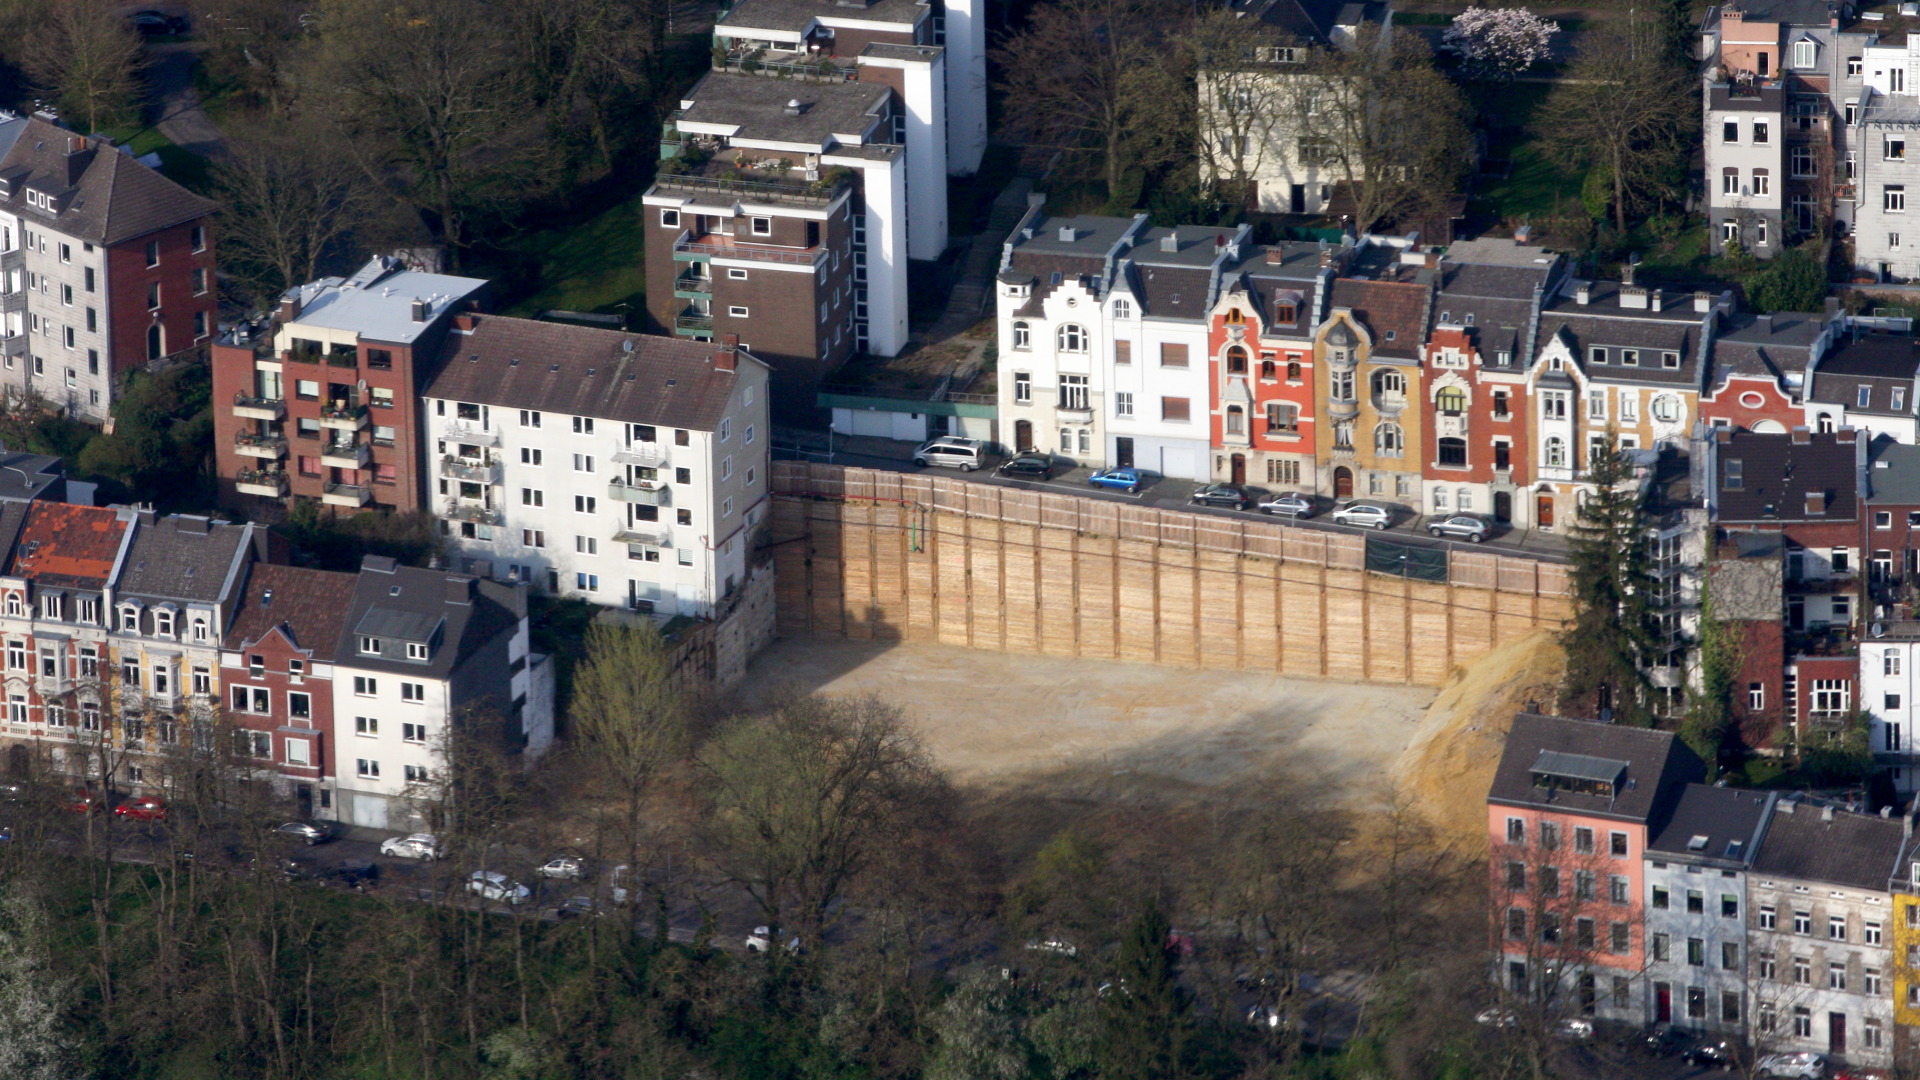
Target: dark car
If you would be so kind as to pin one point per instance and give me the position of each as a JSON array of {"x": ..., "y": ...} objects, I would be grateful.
[
  {"x": 1714, "y": 1054},
  {"x": 358, "y": 874},
  {"x": 150, "y": 23},
  {"x": 1229, "y": 495},
  {"x": 307, "y": 832},
  {"x": 577, "y": 907},
  {"x": 1037, "y": 466}
]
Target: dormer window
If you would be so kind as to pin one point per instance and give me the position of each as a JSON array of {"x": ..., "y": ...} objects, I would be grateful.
[
  {"x": 50, "y": 605},
  {"x": 14, "y": 607},
  {"x": 129, "y": 618},
  {"x": 416, "y": 650},
  {"x": 369, "y": 646},
  {"x": 201, "y": 631},
  {"x": 163, "y": 623},
  {"x": 1285, "y": 311}
]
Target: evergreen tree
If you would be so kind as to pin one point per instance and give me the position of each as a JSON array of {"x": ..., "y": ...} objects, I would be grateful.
[
  {"x": 1149, "y": 1034},
  {"x": 1611, "y": 635}
]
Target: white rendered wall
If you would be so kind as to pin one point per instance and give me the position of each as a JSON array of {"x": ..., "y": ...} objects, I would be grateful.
[
  {"x": 884, "y": 187},
  {"x": 966, "y": 78}
]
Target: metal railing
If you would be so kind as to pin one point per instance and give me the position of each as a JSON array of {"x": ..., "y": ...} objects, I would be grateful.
[
  {"x": 693, "y": 322},
  {"x": 807, "y": 257},
  {"x": 263, "y": 442},
  {"x": 797, "y": 192},
  {"x": 823, "y": 70},
  {"x": 250, "y": 401},
  {"x": 468, "y": 511}
]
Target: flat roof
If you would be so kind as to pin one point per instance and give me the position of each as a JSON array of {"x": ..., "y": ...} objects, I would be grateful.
[
  {"x": 754, "y": 107},
  {"x": 377, "y": 301}
]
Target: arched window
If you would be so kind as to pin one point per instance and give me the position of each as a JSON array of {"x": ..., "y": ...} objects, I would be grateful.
[
  {"x": 1453, "y": 451},
  {"x": 1388, "y": 440},
  {"x": 1439, "y": 500},
  {"x": 1266, "y": 369},
  {"x": 1389, "y": 382},
  {"x": 1236, "y": 317},
  {"x": 1236, "y": 420},
  {"x": 130, "y": 618},
  {"x": 163, "y": 622},
  {"x": 1022, "y": 336},
  {"x": 1236, "y": 361},
  {"x": 13, "y": 604},
  {"x": 1293, "y": 371},
  {"x": 1073, "y": 338},
  {"x": 1122, "y": 308},
  {"x": 1451, "y": 400},
  {"x": 200, "y": 632},
  {"x": 1556, "y": 455}
]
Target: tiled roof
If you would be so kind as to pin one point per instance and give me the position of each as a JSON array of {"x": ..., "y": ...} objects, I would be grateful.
[
  {"x": 63, "y": 544},
  {"x": 1833, "y": 847},
  {"x": 1883, "y": 363},
  {"x": 469, "y": 613},
  {"x": 1707, "y": 822},
  {"x": 1393, "y": 312},
  {"x": 1764, "y": 346},
  {"x": 1658, "y": 766},
  {"x": 1893, "y": 473},
  {"x": 1777, "y": 474},
  {"x": 115, "y": 198},
  {"x": 181, "y": 558},
  {"x": 584, "y": 371},
  {"x": 310, "y": 606}
]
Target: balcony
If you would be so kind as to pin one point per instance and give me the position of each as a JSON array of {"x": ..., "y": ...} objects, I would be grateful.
[
  {"x": 343, "y": 357},
  {"x": 345, "y": 454},
  {"x": 354, "y": 495},
  {"x": 248, "y": 407},
  {"x": 467, "y": 510},
  {"x": 343, "y": 417},
  {"x": 649, "y": 455},
  {"x": 693, "y": 324},
  {"x": 1343, "y": 410},
  {"x": 271, "y": 483},
  {"x": 13, "y": 301},
  {"x": 1390, "y": 403},
  {"x": 300, "y": 356},
  {"x": 475, "y": 470},
  {"x": 644, "y": 492},
  {"x": 738, "y": 185},
  {"x": 724, "y": 247},
  {"x": 461, "y": 432},
  {"x": 247, "y": 444},
  {"x": 692, "y": 285},
  {"x": 1074, "y": 414},
  {"x": 643, "y": 536}
]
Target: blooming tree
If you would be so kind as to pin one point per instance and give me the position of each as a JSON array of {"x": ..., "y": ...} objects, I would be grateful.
[{"x": 1499, "y": 43}]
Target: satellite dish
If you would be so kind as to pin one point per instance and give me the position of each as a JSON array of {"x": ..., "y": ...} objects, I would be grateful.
[{"x": 1879, "y": 629}]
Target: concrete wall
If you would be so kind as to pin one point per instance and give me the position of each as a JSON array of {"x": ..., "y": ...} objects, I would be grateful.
[{"x": 918, "y": 558}]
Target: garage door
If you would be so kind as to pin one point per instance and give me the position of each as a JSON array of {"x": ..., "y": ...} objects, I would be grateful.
[{"x": 1180, "y": 464}]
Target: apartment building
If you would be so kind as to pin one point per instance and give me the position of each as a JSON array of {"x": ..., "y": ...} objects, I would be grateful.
[
  {"x": 1869, "y": 381},
  {"x": 425, "y": 657},
  {"x": 828, "y": 36},
  {"x": 105, "y": 265},
  {"x": 617, "y": 468},
  {"x": 1759, "y": 366},
  {"x": 1573, "y": 806},
  {"x": 1697, "y": 867},
  {"x": 322, "y": 402},
  {"x": 1261, "y": 356},
  {"x": 789, "y": 207},
  {"x": 1879, "y": 169},
  {"x": 1367, "y": 384},
  {"x": 276, "y": 668},
  {"x": 1746, "y": 158},
  {"x": 1819, "y": 933}
]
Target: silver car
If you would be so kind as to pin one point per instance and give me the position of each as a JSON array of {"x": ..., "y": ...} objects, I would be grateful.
[
  {"x": 951, "y": 451},
  {"x": 1292, "y": 504},
  {"x": 1366, "y": 515},
  {"x": 1470, "y": 527},
  {"x": 495, "y": 886},
  {"x": 418, "y": 846}
]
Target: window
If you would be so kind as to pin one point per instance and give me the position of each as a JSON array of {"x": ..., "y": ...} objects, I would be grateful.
[
  {"x": 1072, "y": 337},
  {"x": 1516, "y": 924},
  {"x": 1549, "y": 836},
  {"x": 1696, "y": 902},
  {"x": 413, "y": 733},
  {"x": 1073, "y": 391},
  {"x": 1556, "y": 452},
  {"x": 413, "y": 692},
  {"x": 1388, "y": 439},
  {"x": 1764, "y": 1018},
  {"x": 1762, "y": 182},
  {"x": 1802, "y": 971},
  {"x": 1617, "y": 844},
  {"x": 1451, "y": 400},
  {"x": 1549, "y": 877},
  {"x": 1767, "y": 919},
  {"x": 367, "y": 769},
  {"x": 1022, "y": 336},
  {"x": 1760, "y": 133},
  {"x": 1282, "y": 417},
  {"x": 533, "y": 538},
  {"x": 1123, "y": 404},
  {"x": 1516, "y": 875},
  {"x": 1729, "y": 906},
  {"x": 1893, "y": 198},
  {"x": 1764, "y": 966},
  {"x": 1617, "y": 889},
  {"x": 1175, "y": 409},
  {"x": 1729, "y": 185},
  {"x": 1836, "y": 928},
  {"x": 760, "y": 226},
  {"x": 529, "y": 418},
  {"x": 1236, "y": 360},
  {"x": 1803, "y": 922},
  {"x": 587, "y": 582},
  {"x": 300, "y": 706},
  {"x": 585, "y": 504},
  {"x": 1660, "y": 897},
  {"x": 1853, "y": 67},
  {"x": 1122, "y": 309},
  {"x": 670, "y": 218},
  {"x": 1871, "y": 933},
  {"x": 1658, "y": 946},
  {"x": 153, "y": 253},
  {"x": 366, "y": 725},
  {"x": 1872, "y": 1036},
  {"x": 1696, "y": 1003},
  {"x": 1620, "y": 937},
  {"x": 1730, "y": 131},
  {"x": 1696, "y": 952},
  {"x": 1870, "y": 982},
  {"x": 1800, "y": 160},
  {"x": 1583, "y": 885},
  {"x": 1175, "y": 356},
  {"x": 1894, "y": 148},
  {"x": 737, "y": 311},
  {"x": 1729, "y": 956},
  {"x": 1836, "y": 976},
  {"x": 532, "y": 497},
  {"x": 1516, "y": 830},
  {"x": 369, "y": 646},
  {"x": 583, "y": 463},
  {"x": 1022, "y": 392},
  {"x": 365, "y": 686},
  {"x": 416, "y": 774},
  {"x": 1803, "y": 53},
  {"x": 416, "y": 650}
]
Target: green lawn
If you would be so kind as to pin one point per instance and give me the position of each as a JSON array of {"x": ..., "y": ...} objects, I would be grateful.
[
  {"x": 1536, "y": 187},
  {"x": 590, "y": 266}
]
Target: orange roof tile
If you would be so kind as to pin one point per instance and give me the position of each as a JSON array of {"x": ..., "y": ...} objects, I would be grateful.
[{"x": 68, "y": 544}]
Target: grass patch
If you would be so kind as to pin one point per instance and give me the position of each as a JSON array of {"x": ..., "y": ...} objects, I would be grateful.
[
  {"x": 1535, "y": 187},
  {"x": 591, "y": 266},
  {"x": 140, "y": 139}
]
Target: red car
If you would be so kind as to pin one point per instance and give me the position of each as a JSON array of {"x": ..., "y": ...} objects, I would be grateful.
[
  {"x": 144, "y": 808},
  {"x": 86, "y": 801}
]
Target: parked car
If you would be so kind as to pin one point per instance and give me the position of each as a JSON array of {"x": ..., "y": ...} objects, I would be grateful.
[
  {"x": 1469, "y": 527},
  {"x": 1232, "y": 496},
  {"x": 418, "y": 846},
  {"x": 1496, "y": 1017},
  {"x": 1862, "y": 1072},
  {"x": 307, "y": 832},
  {"x": 150, "y": 23},
  {"x": 144, "y": 808},
  {"x": 1714, "y": 1054},
  {"x": 563, "y": 866},
  {"x": 575, "y": 907},
  {"x": 1575, "y": 1028},
  {"x": 86, "y": 801},
  {"x": 1291, "y": 503},
  {"x": 1366, "y": 515},
  {"x": 1802, "y": 1065},
  {"x": 1031, "y": 465},
  {"x": 1126, "y": 478},
  {"x": 951, "y": 451},
  {"x": 1263, "y": 1016},
  {"x": 358, "y": 874},
  {"x": 1054, "y": 946},
  {"x": 762, "y": 939},
  {"x": 490, "y": 885}
]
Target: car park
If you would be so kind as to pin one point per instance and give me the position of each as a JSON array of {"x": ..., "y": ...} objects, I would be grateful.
[
  {"x": 563, "y": 866},
  {"x": 307, "y": 832},
  {"x": 142, "y": 808},
  {"x": 1365, "y": 515},
  {"x": 417, "y": 846},
  {"x": 491, "y": 885},
  {"x": 1469, "y": 527},
  {"x": 1232, "y": 496},
  {"x": 1291, "y": 504},
  {"x": 952, "y": 452},
  {"x": 1125, "y": 478},
  {"x": 1027, "y": 465}
]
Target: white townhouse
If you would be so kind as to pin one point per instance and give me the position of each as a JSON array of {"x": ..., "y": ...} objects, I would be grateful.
[
  {"x": 622, "y": 469},
  {"x": 1696, "y": 882}
]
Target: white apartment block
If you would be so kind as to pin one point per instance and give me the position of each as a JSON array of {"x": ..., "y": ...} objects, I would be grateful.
[{"x": 617, "y": 468}]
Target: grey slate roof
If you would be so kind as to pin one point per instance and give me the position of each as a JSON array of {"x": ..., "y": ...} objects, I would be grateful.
[
  {"x": 1893, "y": 473},
  {"x": 1494, "y": 303},
  {"x": 1725, "y": 817},
  {"x": 377, "y": 301},
  {"x": 1882, "y": 363},
  {"x": 1658, "y": 764},
  {"x": 1310, "y": 21},
  {"x": 466, "y": 613},
  {"x": 183, "y": 558},
  {"x": 585, "y": 371},
  {"x": 1857, "y": 850},
  {"x": 1777, "y": 474},
  {"x": 1769, "y": 346},
  {"x": 755, "y": 107},
  {"x": 113, "y": 197}
]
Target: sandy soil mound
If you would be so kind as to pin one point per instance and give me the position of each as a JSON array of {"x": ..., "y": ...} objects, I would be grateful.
[{"x": 1451, "y": 760}]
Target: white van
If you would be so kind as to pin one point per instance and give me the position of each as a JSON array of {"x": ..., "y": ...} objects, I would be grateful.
[{"x": 951, "y": 451}]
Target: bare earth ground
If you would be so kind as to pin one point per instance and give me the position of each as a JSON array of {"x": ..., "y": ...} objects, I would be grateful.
[{"x": 1107, "y": 730}]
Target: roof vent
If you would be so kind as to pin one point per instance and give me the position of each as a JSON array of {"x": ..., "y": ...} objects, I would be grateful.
[
  {"x": 794, "y": 107},
  {"x": 1702, "y": 300},
  {"x": 1583, "y": 294},
  {"x": 1826, "y": 813},
  {"x": 1068, "y": 234},
  {"x": 1170, "y": 242},
  {"x": 553, "y": 367},
  {"x": 419, "y": 311}
]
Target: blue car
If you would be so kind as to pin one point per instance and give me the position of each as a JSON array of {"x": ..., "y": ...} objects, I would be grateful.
[{"x": 1126, "y": 478}]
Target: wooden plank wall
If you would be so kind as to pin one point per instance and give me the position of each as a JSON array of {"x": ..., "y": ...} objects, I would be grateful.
[{"x": 889, "y": 556}]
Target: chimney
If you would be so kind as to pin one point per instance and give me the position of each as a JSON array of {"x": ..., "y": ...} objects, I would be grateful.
[
  {"x": 290, "y": 307},
  {"x": 1432, "y": 261},
  {"x": 79, "y": 156},
  {"x": 1170, "y": 242},
  {"x": 1276, "y": 256},
  {"x": 419, "y": 310},
  {"x": 1633, "y": 296},
  {"x": 1826, "y": 813},
  {"x": 725, "y": 358},
  {"x": 1703, "y": 301},
  {"x": 1802, "y": 435},
  {"x": 1816, "y": 503},
  {"x": 1656, "y": 299},
  {"x": 466, "y": 321},
  {"x": 1067, "y": 234},
  {"x": 1626, "y": 273},
  {"x": 1785, "y": 806},
  {"x": 459, "y": 589},
  {"x": 1764, "y": 323},
  {"x": 1522, "y": 234},
  {"x": 1583, "y": 294},
  {"x": 1844, "y": 436}
]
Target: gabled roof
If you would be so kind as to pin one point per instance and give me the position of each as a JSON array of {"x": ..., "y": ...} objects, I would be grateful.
[
  {"x": 68, "y": 546},
  {"x": 308, "y": 606},
  {"x": 1394, "y": 313},
  {"x": 585, "y": 371},
  {"x": 111, "y": 197},
  {"x": 1778, "y": 473},
  {"x": 1654, "y": 766},
  {"x": 464, "y": 612},
  {"x": 1881, "y": 363},
  {"x": 1713, "y": 824},
  {"x": 1833, "y": 847},
  {"x": 1311, "y": 21},
  {"x": 181, "y": 558}
]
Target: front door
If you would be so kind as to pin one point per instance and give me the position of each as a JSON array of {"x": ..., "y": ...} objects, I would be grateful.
[
  {"x": 1297, "y": 199},
  {"x": 1022, "y": 435},
  {"x": 1662, "y": 1003},
  {"x": 303, "y": 800},
  {"x": 1502, "y": 507},
  {"x": 1239, "y": 468},
  {"x": 1837, "y": 1034},
  {"x": 1123, "y": 452},
  {"x": 1543, "y": 512},
  {"x": 1343, "y": 483}
]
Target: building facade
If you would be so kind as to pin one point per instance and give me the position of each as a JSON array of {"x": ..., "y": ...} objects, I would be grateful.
[{"x": 1697, "y": 865}]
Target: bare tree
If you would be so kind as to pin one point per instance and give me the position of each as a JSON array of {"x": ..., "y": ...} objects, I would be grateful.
[
  {"x": 84, "y": 53},
  {"x": 290, "y": 198},
  {"x": 1242, "y": 85}
]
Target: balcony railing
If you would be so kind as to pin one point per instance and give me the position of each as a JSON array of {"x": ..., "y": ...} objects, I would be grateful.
[
  {"x": 650, "y": 455},
  {"x": 646, "y": 493},
  {"x": 248, "y": 444},
  {"x": 251, "y": 407},
  {"x": 822, "y": 70},
  {"x": 643, "y": 537},
  {"x": 693, "y": 322},
  {"x": 793, "y": 192},
  {"x": 693, "y": 284},
  {"x": 338, "y": 358},
  {"x": 300, "y": 356},
  {"x": 345, "y": 454},
  {"x": 457, "y": 432},
  {"x": 343, "y": 417},
  {"x": 346, "y": 495},
  {"x": 476, "y": 470},
  {"x": 269, "y": 482},
  {"x": 789, "y": 256},
  {"x": 464, "y": 510}
]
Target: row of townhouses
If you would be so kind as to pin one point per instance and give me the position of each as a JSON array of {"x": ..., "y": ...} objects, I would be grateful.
[
  {"x": 129, "y": 640},
  {"x": 1625, "y": 888},
  {"x": 623, "y": 469}
]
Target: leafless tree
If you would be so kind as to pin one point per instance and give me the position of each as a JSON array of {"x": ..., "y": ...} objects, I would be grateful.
[
  {"x": 85, "y": 54},
  {"x": 1241, "y": 72},
  {"x": 291, "y": 197}
]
